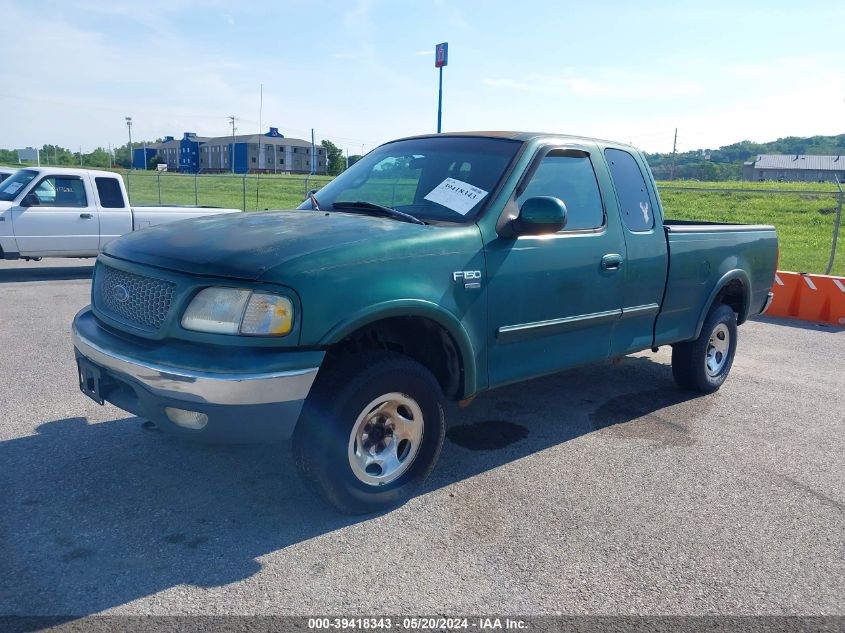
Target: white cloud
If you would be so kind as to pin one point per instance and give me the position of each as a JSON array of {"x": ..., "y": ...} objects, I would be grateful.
[{"x": 607, "y": 83}]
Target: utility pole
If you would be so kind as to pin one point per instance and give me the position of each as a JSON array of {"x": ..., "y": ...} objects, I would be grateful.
[
  {"x": 313, "y": 171},
  {"x": 347, "y": 158},
  {"x": 80, "y": 155},
  {"x": 674, "y": 151},
  {"x": 232, "y": 157},
  {"x": 260, "y": 133},
  {"x": 129, "y": 127},
  {"x": 261, "y": 129}
]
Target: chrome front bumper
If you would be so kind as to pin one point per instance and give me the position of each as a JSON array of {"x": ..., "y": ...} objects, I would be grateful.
[
  {"x": 249, "y": 397},
  {"x": 202, "y": 387}
]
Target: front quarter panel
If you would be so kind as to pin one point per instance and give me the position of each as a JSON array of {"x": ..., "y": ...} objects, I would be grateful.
[{"x": 410, "y": 277}]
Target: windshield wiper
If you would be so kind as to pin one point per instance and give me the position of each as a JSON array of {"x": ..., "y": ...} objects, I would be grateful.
[{"x": 372, "y": 206}]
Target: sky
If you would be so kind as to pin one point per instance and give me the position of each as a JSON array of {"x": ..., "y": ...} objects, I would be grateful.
[{"x": 361, "y": 72}]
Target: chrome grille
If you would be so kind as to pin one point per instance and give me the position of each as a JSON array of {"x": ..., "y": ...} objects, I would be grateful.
[{"x": 142, "y": 302}]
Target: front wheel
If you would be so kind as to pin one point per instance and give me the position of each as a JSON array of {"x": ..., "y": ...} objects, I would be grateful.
[
  {"x": 703, "y": 364},
  {"x": 370, "y": 432}
]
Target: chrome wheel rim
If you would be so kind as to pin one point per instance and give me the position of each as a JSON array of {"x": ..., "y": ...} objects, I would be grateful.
[
  {"x": 385, "y": 439},
  {"x": 717, "y": 350}
]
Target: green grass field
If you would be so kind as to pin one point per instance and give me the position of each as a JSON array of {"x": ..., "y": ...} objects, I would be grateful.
[{"x": 804, "y": 222}]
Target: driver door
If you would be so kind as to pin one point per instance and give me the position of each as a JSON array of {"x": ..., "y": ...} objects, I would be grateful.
[
  {"x": 60, "y": 218},
  {"x": 555, "y": 299}
]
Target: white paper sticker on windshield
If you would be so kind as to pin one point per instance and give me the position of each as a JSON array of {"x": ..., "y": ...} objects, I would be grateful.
[
  {"x": 456, "y": 195},
  {"x": 13, "y": 187}
]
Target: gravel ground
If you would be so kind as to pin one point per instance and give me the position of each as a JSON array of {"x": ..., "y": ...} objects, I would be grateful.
[{"x": 601, "y": 490}]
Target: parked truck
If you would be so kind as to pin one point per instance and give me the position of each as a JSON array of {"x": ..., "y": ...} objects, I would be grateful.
[
  {"x": 435, "y": 268},
  {"x": 64, "y": 212}
]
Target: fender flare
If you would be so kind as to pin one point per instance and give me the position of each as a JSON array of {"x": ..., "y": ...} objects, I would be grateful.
[
  {"x": 413, "y": 308},
  {"x": 731, "y": 275}
]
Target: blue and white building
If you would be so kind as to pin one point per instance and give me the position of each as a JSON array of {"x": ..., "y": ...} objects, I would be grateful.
[{"x": 270, "y": 152}]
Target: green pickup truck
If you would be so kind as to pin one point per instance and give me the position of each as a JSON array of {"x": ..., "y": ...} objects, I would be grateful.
[{"x": 434, "y": 268}]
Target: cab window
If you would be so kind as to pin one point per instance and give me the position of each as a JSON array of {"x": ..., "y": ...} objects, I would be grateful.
[
  {"x": 571, "y": 178},
  {"x": 111, "y": 197},
  {"x": 61, "y": 191},
  {"x": 635, "y": 204}
]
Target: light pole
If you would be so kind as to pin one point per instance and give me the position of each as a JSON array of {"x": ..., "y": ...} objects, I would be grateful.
[{"x": 129, "y": 127}]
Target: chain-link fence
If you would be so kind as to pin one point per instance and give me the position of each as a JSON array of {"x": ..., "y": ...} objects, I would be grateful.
[
  {"x": 247, "y": 192},
  {"x": 807, "y": 215}
]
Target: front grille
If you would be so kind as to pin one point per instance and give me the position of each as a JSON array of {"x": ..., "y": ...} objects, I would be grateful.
[{"x": 142, "y": 302}]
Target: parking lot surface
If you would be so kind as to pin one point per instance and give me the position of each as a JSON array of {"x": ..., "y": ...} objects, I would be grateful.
[{"x": 601, "y": 490}]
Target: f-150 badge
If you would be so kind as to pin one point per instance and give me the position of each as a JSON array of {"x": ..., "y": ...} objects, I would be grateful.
[{"x": 471, "y": 278}]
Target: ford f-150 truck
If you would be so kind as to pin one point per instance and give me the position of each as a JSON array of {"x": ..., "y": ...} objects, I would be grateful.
[
  {"x": 434, "y": 268},
  {"x": 64, "y": 212}
]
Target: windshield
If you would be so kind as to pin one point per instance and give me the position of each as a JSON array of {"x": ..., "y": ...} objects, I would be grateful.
[
  {"x": 11, "y": 187},
  {"x": 441, "y": 178}
]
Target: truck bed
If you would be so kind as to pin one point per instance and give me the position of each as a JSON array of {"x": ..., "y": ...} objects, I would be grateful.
[{"x": 702, "y": 256}]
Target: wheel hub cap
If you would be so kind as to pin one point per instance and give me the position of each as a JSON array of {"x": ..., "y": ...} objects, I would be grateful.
[
  {"x": 718, "y": 348},
  {"x": 385, "y": 439}
]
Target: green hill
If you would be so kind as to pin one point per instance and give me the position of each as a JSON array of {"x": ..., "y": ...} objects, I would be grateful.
[{"x": 725, "y": 163}]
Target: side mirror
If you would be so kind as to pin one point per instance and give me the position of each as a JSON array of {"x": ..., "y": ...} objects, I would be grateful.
[
  {"x": 540, "y": 215},
  {"x": 30, "y": 200}
]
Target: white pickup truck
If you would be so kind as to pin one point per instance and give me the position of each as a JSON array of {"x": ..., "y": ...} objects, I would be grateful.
[{"x": 63, "y": 212}]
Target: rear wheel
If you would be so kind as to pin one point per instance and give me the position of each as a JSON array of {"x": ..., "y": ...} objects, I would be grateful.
[
  {"x": 370, "y": 432},
  {"x": 704, "y": 364}
]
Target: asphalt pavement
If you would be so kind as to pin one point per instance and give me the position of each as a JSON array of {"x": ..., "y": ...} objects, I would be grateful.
[{"x": 601, "y": 490}]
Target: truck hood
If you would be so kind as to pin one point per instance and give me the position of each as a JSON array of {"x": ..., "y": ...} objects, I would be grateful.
[{"x": 249, "y": 245}]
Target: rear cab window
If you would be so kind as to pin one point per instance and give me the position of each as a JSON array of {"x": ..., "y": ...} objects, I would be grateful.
[
  {"x": 569, "y": 176},
  {"x": 109, "y": 192},
  {"x": 635, "y": 203}
]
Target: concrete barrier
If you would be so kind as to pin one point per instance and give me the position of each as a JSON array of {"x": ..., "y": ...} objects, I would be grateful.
[{"x": 819, "y": 298}]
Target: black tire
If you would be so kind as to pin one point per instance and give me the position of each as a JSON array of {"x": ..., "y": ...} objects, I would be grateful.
[
  {"x": 690, "y": 360},
  {"x": 322, "y": 441}
]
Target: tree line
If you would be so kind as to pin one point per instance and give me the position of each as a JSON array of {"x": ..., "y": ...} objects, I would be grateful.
[{"x": 725, "y": 163}]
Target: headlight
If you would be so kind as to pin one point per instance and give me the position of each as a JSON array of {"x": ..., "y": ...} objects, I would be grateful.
[
  {"x": 267, "y": 314},
  {"x": 236, "y": 310}
]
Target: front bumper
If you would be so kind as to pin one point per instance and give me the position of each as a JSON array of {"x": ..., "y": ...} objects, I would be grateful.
[{"x": 248, "y": 395}]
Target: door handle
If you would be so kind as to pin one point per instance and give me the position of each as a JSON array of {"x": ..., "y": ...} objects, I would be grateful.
[
  {"x": 611, "y": 261},
  {"x": 86, "y": 216}
]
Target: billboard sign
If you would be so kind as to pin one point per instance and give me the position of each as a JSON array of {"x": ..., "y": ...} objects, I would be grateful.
[
  {"x": 28, "y": 154},
  {"x": 441, "y": 55}
]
